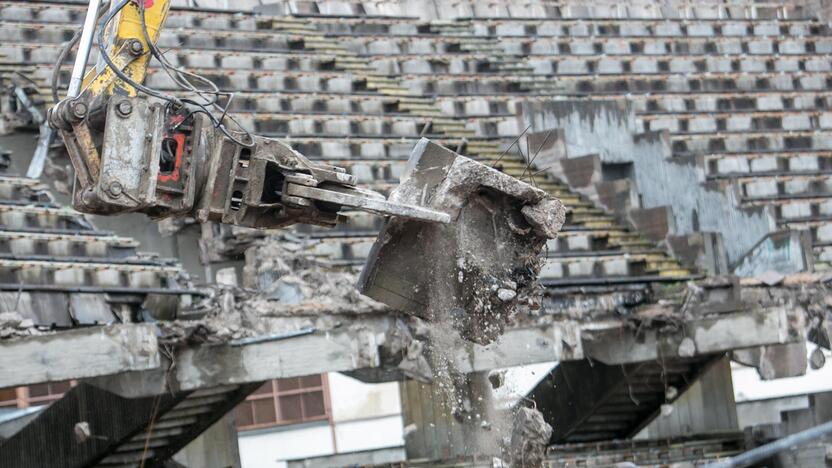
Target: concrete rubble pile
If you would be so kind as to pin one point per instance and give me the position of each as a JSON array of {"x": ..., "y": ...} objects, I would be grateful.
[
  {"x": 287, "y": 289},
  {"x": 13, "y": 325}
]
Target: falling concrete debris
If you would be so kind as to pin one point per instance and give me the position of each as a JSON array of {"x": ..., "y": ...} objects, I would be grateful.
[
  {"x": 817, "y": 359},
  {"x": 475, "y": 272},
  {"x": 467, "y": 279},
  {"x": 497, "y": 378},
  {"x": 687, "y": 348},
  {"x": 530, "y": 436}
]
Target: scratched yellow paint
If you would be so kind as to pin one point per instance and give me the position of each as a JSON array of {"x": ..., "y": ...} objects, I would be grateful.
[{"x": 129, "y": 27}]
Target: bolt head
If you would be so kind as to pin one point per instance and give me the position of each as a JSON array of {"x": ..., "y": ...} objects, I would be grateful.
[
  {"x": 136, "y": 48},
  {"x": 124, "y": 108},
  {"x": 79, "y": 109},
  {"x": 115, "y": 189}
]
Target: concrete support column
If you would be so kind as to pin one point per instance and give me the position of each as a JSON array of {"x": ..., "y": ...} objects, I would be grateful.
[
  {"x": 706, "y": 406},
  {"x": 215, "y": 448},
  {"x": 434, "y": 430}
]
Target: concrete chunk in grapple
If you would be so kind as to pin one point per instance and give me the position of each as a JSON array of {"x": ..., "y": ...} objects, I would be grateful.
[{"x": 475, "y": 272}]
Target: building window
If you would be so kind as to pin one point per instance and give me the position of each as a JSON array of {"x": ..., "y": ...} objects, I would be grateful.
[
  {"x": 285, "y": 401},
  {"x": 8, "y": 398},
  {"x": 34, "y": 395}
]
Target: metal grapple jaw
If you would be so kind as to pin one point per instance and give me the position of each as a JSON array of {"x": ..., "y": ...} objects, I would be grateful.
[{"x": 270, "y": 185}]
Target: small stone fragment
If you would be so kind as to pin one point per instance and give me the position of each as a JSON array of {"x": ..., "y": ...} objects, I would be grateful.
[
  {"x": 546, "y": 217},
  {"x": 506, "y": 295},
  {"x": 82, "y": 432},
  {"x": 687, "y": 348},
  {"x": 497, "y": 378},
  {"x": 25, "y": 323},
  {"x": 817, "y": 359}
]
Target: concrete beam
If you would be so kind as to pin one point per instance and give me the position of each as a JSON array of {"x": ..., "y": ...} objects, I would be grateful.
[
  {"x": 360, "y": 348},
  {"x": 367, "y": 343},
  {"x": 357, "y": 347},
  {"x": 610, "y": 342},
  {"x": 558, "y": 341},
  {"x": 775, "y": 361},
  {"x": 78, "y": 354},
  {"x": 332, "y": 351},
  {"x": 713, "y": 334}
]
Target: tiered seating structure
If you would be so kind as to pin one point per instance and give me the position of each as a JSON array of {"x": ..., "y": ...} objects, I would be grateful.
[{"x": 359, "y": 91}]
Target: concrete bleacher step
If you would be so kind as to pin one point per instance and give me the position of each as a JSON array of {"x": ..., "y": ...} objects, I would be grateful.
[
  {"x": 57, "y": 245},
  {"x": 85, "y": 272}
]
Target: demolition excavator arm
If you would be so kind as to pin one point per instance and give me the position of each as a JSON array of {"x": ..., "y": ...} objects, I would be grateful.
[{"x": 137, "y": 149}]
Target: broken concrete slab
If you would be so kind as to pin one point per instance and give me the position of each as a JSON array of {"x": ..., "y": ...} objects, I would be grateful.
[{"x": 473, "y": 273}]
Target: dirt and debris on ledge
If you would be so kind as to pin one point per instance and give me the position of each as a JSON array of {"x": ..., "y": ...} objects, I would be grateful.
[
  {"x": 14, "y": 325},
  {"x": 289, "y": 289},
  {"x": 284, "y": 271}
]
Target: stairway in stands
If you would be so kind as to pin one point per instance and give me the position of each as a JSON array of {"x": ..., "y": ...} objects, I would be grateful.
[
  {"x": 587, "y": 401},
  {"x": 100, "y": 428}
]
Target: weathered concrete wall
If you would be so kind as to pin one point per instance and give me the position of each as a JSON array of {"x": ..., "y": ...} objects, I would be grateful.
[
  {"x": 820, "y": 9},
  {"x": 608, "y": 129},
  {"x": 768, "y": 411}
]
